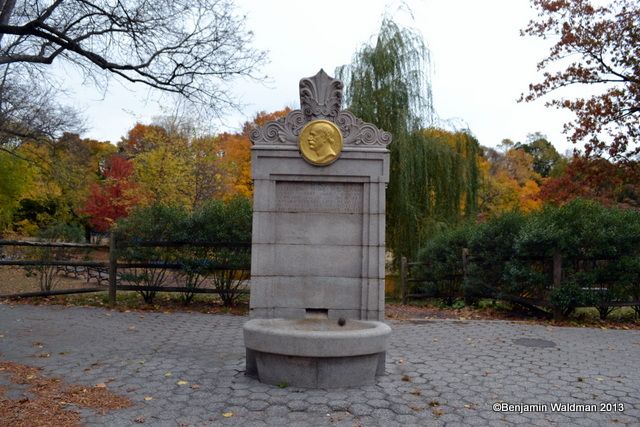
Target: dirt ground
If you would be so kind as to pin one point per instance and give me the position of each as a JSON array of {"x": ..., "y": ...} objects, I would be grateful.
[{"x": 15, "y": 280}]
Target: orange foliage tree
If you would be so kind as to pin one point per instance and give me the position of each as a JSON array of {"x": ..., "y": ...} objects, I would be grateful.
[{"x": 142, "y": 138}]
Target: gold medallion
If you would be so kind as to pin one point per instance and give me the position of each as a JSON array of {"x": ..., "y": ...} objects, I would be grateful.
[{"x": 320, "y": 142}]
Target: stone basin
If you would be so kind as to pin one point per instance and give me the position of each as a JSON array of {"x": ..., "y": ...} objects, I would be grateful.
[{"x": 315, "y": 352}]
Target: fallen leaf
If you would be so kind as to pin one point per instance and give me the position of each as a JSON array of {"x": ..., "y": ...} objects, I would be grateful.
[
  {"x": 182, "y": 382},
  {"x": 101, "y": 385},
  {"x": 139, "y": 420},
  {"x": 406, "y": 378},
  {"x": 195, "y": 386},
  {"x": 148, "y": 398},
  {"x": 227, "y": 414},
  {"x": 30, "y": 377},
  {"x": 167, "y": 374}
]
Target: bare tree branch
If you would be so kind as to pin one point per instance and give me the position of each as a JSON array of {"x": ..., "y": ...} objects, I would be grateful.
[{"x": 188, "y": 47}]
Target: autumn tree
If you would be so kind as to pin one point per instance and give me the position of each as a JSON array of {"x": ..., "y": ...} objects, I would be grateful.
[
  {"x": 175, "y": 166},
  {"x": 233, "y": 164},
  {"x": 141, "y": 138},
  {"x": 597, "y": 48},
  {"x": 508, "y": 181},
  {"x": 62, "y": 171},
  {"x": 114, "y": 196},
  {"x": 162, "y": 164},
  {"x": 15, "y": 177},
  {"x": 598, "y": 179},
  {"x": 546, "y": 159}
]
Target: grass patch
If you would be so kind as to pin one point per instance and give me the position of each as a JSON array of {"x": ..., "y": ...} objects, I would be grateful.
[
  {"x": 131, "y": 300},
  {"x": 487, "y": 309}
]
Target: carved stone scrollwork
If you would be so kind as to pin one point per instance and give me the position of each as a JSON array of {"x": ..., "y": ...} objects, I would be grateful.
[
  {"x": 320, "y": 98},
  {"x": 285, "y": 130},
  {"x": 358, "y": 132}
]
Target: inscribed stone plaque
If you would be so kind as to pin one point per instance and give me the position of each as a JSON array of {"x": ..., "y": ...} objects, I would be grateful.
[{"x": 332, "y": 197}]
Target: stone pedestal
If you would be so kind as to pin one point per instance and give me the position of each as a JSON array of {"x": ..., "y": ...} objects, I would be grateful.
[
  {"x": 318, "y": 239},
  {"x": 318, "y": 231}
]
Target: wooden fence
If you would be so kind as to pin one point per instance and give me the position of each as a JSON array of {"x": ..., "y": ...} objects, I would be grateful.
[
  {"x": 109, "y": 270},
  {"x": 556, "y": 262}
]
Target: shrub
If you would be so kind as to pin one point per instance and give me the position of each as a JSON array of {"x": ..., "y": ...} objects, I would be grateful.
[
  {"x": 491, "y": 249},
  {"x": 511, "y": 258},
  {"x": 567, "y": 298},
  {"x": 599, "y": 247},
  {"x": 200, "y": 259},
  {"x": 442, "y": 266},
  {"x": 154, "y": 223},
  {"x": 220, "y": 222},
  {"x": 57, "y": 232}
]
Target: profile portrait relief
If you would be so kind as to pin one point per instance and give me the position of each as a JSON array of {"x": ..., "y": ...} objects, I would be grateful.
[{"x": 320, "y": 142}]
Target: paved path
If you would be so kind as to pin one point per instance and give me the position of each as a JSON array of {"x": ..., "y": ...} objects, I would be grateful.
[{"x": 438, "y": 372}]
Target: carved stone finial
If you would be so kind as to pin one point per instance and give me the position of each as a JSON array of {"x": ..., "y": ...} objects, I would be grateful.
[{"x": 320, "y": 97}]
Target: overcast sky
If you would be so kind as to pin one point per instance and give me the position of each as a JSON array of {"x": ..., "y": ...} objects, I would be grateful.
[{"x": 480, "y": 62}]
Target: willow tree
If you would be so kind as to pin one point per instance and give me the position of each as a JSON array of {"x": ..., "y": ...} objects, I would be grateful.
[{"x": 434, "y": 174}]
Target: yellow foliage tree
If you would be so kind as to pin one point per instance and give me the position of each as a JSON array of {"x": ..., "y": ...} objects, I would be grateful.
[
  {"x": 176, "y": 169},
  {"x": 509, "y": 182},
  {"x": 62, "y": 172}
]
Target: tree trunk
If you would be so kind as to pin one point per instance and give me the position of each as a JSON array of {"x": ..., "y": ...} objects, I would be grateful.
[{"x": 6, "y": 10}]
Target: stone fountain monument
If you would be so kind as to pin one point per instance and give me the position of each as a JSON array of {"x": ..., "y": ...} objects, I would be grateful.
[{"x": 317, "y": 267}]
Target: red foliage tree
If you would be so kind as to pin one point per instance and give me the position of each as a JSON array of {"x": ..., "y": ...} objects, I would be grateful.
[
  {"x": 114, "y": 197},
  {"x": 595, "y": 179}
]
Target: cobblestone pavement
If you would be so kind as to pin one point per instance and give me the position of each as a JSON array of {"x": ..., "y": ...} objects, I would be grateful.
[{"x": 440, "y": 373}]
